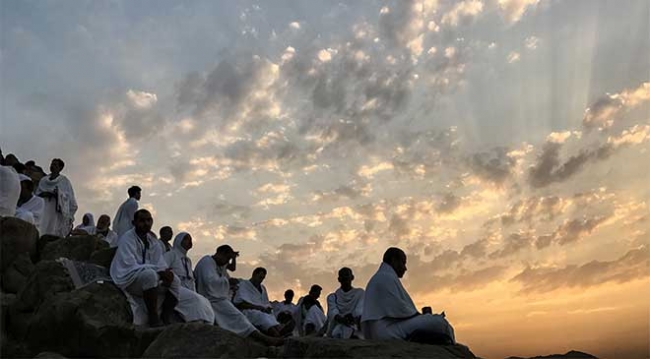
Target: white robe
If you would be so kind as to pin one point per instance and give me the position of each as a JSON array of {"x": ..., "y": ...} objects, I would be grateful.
[
  {"x": 87, "y": 227},
  {"x": 9, "y": 191},
  {"x": 389, "y": 312},
  {"x": 110, "y": 237},
  {"x": 343, "y": 303},
  {"x": 247, "y": 292},
  {"x": 180, "y": 263},
  {"x": 58, "y": 213},
  {"x": 212, "y": 282},
  {"x": 281, "y": 307},
  {"x": 313, "y": 315},
  {"x": 35, "y": 207},
  {"x": 131, "y": 258},
  {"x": 124, "y": 218}
]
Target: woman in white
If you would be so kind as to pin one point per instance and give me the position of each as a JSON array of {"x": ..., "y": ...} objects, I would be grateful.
[{"x": 179, "y": 262}]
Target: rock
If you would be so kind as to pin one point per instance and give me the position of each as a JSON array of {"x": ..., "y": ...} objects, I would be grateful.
[
  {"x": 16, "y": 275},
  {"x": 103, "y": 257},
  {"x": 573, "y": 354},
  {"x": 93, "y": 321},
  {"x": 42, "y": 242},
  {"x": 16, "y": 237},
  {"x": 197, "y": 340},
  {"x": 48, "y": 279},
  {"x": 77, "y": 248},
  {"x": 338, "y": 348},
  {"x": 49, "y": 355}
]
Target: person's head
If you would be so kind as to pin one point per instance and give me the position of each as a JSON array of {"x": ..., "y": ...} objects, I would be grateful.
[
  {"x": 11, "y": 160},
  {"x": 396, "y": 258},
  {"x": 259, "y": 274},
  {"x": 288, "y": 295},
  {"x": 224, "y": 254},
  {"x": 135, "y": 192},
  {"x": 88, "y": 219},
  {"x": 26, "y": 187},
  {"x": 142, "y": 221},
  {"x": 20, "y": 168},
  {"x": 346, "y": 277},
  {"x": 315, "y": 290},
  {"x": 166, "y": 233},
  {"x": 103, "y": 222},
  {"x": 56, "y": 166},
  {"x": 30, "y": 163},
  {"x": 183, "y": 241}
]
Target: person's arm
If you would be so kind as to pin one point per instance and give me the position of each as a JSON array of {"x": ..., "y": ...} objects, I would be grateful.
[{"x": 232, "y": 265}]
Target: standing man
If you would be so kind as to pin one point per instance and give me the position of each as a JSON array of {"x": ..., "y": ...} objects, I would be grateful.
[
  {"x": 344, "y": 308},
  {"x": 124, "y": 218},
  {"x": 60, "y": 203}
]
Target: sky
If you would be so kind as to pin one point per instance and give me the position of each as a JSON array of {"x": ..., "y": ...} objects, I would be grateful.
[{"x": 503, "y": 144}]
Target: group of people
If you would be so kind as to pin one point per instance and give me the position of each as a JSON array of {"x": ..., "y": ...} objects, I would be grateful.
[{"x": 162, "y": 286}]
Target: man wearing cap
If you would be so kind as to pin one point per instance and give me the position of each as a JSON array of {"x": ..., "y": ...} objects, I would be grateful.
[{"x": 214, "y": 283}]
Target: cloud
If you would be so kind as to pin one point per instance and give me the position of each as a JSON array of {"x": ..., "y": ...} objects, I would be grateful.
[
  {"x": 610, "y": 108},
  {"x": 495, "y": 165},
  {"x": 449, "y": 203},
  {"x": 632, "y": 265},
  {"x": 535, "y": 208},
  {"x": 462, "y": 10},
  {"x": 513, "y": 10}
]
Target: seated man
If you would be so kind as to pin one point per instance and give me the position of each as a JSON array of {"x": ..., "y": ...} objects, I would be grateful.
[
  {"x": 213, "y": 282},
  {"x": 344, "y": 308},
  {"x": 140, "y": 270},
  {"x": 104, "y": 231},
  {"x": 179, "y": 262},
  {"x": 30, "y": 207},
  {"x": 253, "y": 300},
  {"x": 166, "y": 234},
  {"x": 285, "y": 311},
  {"x": 310, "y": 317},
  {"x": 389, "y": 312}
]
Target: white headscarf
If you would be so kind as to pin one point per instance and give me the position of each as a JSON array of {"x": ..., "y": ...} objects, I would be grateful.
[
  {"x": 91, "y": 220},
  {"x": 180, "y": 263},
  {"x": 178, "y": 240}
]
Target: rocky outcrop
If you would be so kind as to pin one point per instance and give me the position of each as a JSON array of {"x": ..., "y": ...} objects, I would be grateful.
[
  {"x": 93, "y": 321},
  {"x": 195, "y": 340},
  {"x": 16, "y": 275},
  {"x": 16, "y": 237},
  {"x": 573, "y": 354},
  {"x": 337, "y": 348},
  {"x": 77, "y": 248},
  {"x": 103, "y": 257}
]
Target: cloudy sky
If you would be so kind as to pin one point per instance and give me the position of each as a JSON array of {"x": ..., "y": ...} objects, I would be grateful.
[{"x": 503, "y": 144}]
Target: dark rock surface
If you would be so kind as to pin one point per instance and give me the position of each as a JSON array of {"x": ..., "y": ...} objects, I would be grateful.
[
  {"x": 77, "y": 248},
  {"x": 16, "y": 275},
  {"x": 103, "y": 257},
  {"x": 573, "y": 354},
  {"x": 16, "y": 237}
]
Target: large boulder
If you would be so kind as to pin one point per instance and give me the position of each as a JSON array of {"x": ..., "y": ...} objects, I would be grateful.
[
  {"x": 311, "y": 347},
  {"x": 93, "y": 321},
  {"x": 196, "y": 340},
  {"x": 77, "y": 248},
  {"x": 16, "y": 275},
  {"x": 16, "y": 237},
  {"x": 103, "y": 257},
  {"x": 573, "y": 354}
]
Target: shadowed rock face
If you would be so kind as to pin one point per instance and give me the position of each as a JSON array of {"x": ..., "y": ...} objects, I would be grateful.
[
  {"x": 76, "y": 248},
  {"x": 573, "y": 354},
  {"x": 195, "y": 340},
  {"x": 16, "y": 237},
  {"x": 337, "y": 348}
]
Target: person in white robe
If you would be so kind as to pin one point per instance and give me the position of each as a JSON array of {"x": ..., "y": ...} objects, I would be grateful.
[
  {"x": 124, "y": 218},
  {"x": 344, "y": 308},
  {"x": 253, "y": 300},
  {"x": 310, "y": 317},
  {"x": 30, "y": 207},
  {"x": 214, "y": 283},
  {"x": 103, "y": 230},
  {"x": 9, "y": 189},
  {"x": 152, "y": 289},
  {"x": 87, "y": 225},
  {"x": 285, "y": 310},
  {"x": 179, "y": 262},
  {"x": 60, "y": 202},
  {"x": 389, "y": 312},
  {"x": 166, "y": 234}
]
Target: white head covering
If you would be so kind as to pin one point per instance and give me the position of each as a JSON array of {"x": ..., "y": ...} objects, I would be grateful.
[
  {"x": 178, "y": 240},
  {"x": 24, "y": 177},
  {"x": 91, "y": 220}
]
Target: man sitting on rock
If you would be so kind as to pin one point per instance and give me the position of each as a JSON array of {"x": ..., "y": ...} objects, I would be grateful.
[
  {"x": 253, "y": 300},
  {"x": 344, "y": 308},
  {"x": 104, "y": 231},
  {"x": 310, "y": 317},
  {"x": 285, "y": 311},
  {"x": 140, "y": 270},
  {"x": 389, "y": 312},
  {"x": 166, "y": 234},
  {"x": 213, "y": 282},
  {"x": 30, "y": 207}
]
